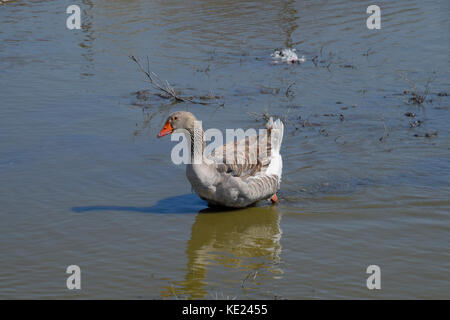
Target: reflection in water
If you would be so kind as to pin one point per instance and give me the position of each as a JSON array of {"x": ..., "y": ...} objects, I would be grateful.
[
  {"x": 247, "y": 240},
  {"x": 288, "y": 16},
  {"x": 88, "y": 41}
]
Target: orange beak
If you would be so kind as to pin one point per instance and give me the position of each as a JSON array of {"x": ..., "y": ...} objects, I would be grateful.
[{"x": 167, "y": 129}]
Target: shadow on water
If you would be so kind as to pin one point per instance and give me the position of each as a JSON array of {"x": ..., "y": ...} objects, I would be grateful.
[{"x": 187, "y": 203}]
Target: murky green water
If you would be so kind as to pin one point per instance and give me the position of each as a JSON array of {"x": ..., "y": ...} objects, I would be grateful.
[{"x": 83, "y": 179}]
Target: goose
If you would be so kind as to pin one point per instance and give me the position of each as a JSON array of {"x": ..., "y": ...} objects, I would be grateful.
[{"x": 253, "y": 174}]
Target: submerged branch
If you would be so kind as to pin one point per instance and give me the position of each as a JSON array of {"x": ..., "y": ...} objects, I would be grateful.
[{"x": 166, "y": 90}]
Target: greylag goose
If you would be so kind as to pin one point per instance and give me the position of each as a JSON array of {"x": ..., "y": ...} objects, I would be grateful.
[{"x": 251, "y": 173}]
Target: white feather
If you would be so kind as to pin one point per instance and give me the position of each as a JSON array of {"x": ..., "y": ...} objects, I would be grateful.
[{"x": 276, "y": 162}]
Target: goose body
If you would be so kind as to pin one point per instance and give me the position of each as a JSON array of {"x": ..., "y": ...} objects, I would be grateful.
[{"x": 251, "y": 175}]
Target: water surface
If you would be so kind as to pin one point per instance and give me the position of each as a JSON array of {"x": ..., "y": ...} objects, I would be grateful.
[{"x": 83, "y": 179}]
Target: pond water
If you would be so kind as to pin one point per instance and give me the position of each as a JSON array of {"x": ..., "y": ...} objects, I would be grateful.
[{"x": 84, "y": 180}]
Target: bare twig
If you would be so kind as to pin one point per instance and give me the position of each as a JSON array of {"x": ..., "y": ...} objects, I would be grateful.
[
  {"x": 163, "y": 86},
  {"x": 410, "y": 84},
  {"x": 427, "y": 85},
  {"x": 260, "y": 116},
  {"x": 251, "y": 274},
  {"x": 368, "y": 52},
  {"x": 417, "y": 96},
  {"x": 288, "y": 89},
  {"x": 386, "y": 132}
]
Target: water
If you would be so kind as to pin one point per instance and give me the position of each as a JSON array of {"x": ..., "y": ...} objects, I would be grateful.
[{"x": 83, "y": 179}]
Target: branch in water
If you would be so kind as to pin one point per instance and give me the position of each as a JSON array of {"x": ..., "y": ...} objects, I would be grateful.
[{"x": 163, "y": 86}]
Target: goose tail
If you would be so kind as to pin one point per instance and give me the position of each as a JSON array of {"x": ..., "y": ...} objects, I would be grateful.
[
  {"x": 277, "y": 130},
  {"x": 276, "y": 137}
]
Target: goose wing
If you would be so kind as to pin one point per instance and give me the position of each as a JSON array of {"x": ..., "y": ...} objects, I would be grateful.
[{"x": 245, "y": 157}]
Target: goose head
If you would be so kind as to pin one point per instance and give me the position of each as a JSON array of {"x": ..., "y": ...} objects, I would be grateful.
[{"x": 178, "y": 120}]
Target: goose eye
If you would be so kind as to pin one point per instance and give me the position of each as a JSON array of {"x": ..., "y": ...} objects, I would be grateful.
[{"x": 175, "y": 118}]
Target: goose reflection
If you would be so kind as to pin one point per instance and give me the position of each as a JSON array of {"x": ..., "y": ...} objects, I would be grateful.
[{"x": 247, "y": 240}]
